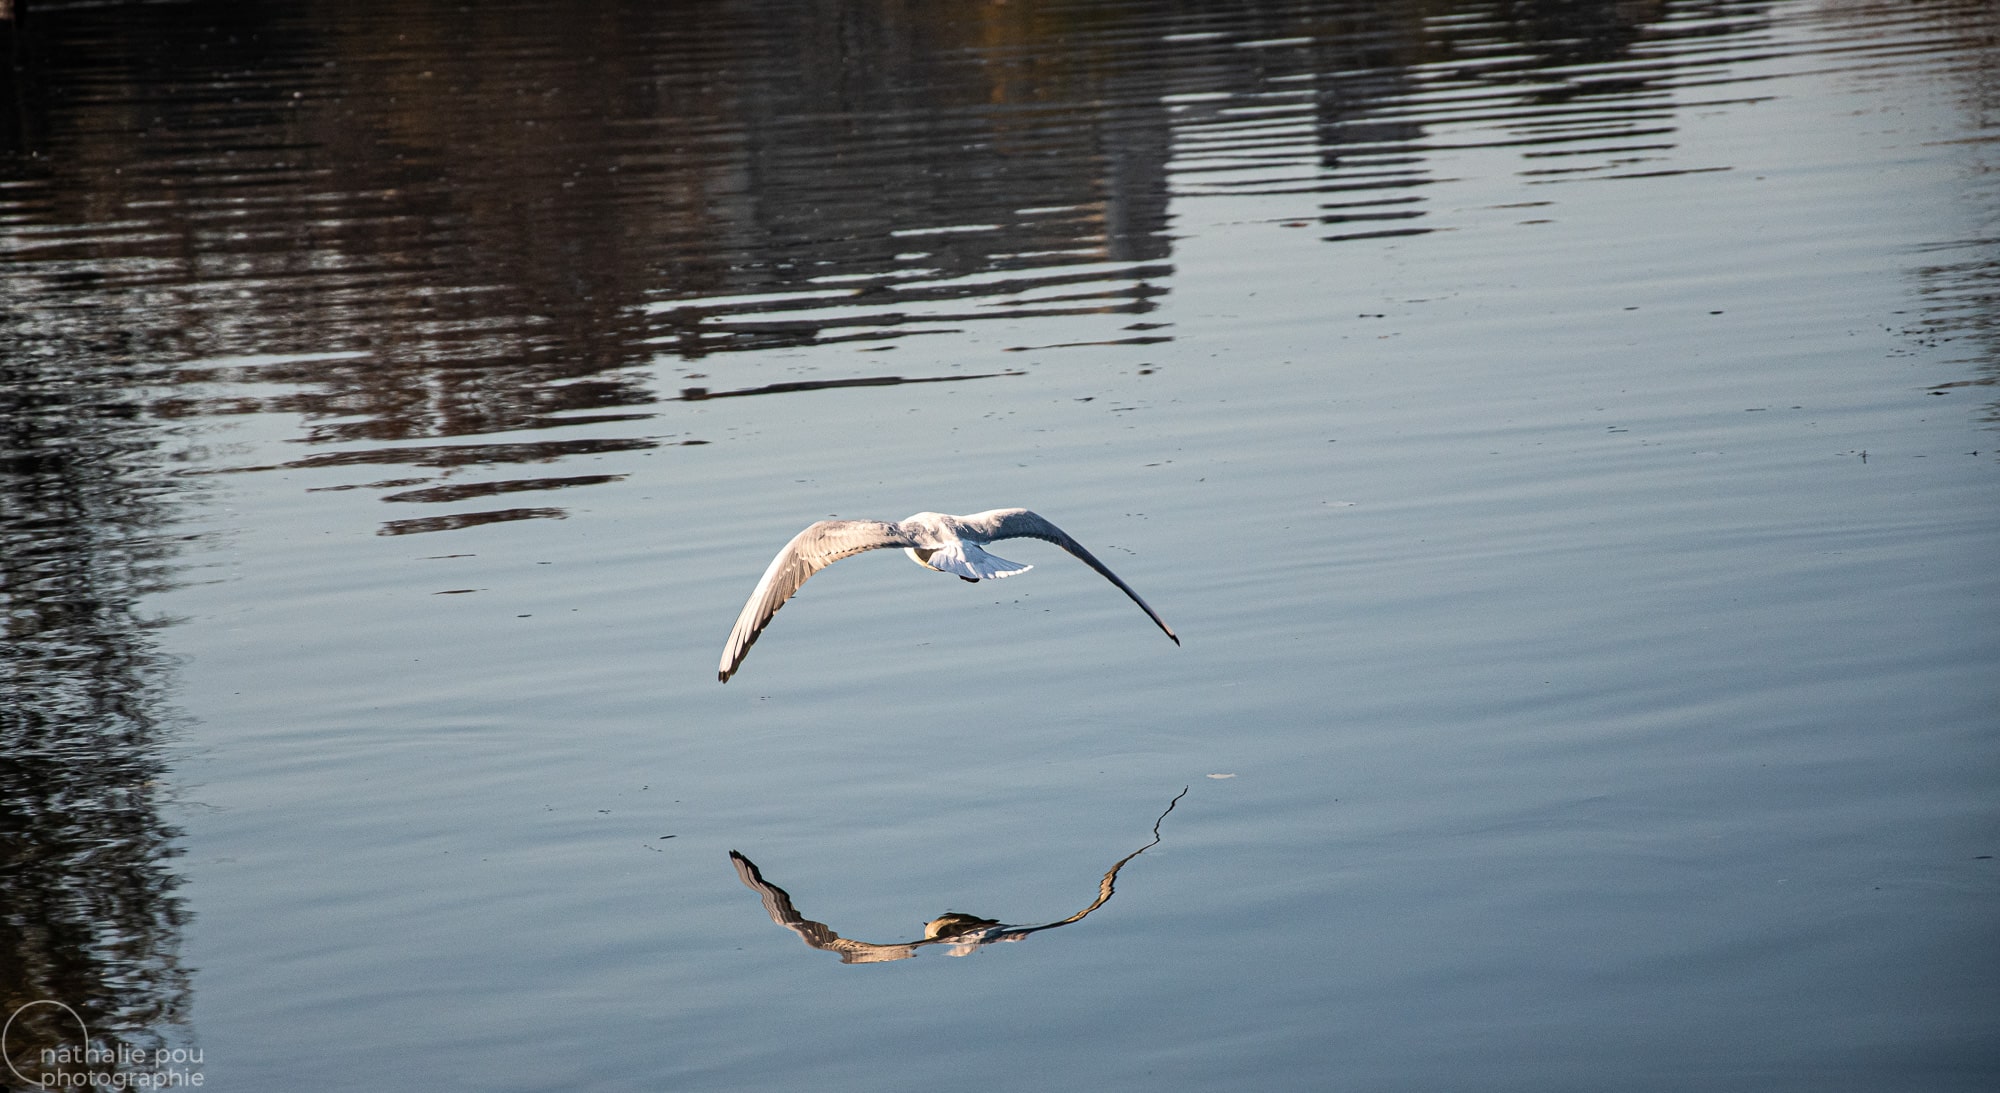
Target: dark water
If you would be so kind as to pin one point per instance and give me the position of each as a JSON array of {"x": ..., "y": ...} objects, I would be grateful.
[{"x": 1561, "y": 431}]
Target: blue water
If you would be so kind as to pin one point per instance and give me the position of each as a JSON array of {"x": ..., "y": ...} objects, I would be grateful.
[{"x": 1564, "y": 445}]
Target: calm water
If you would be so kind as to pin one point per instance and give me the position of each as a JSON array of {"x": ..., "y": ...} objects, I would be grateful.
[{"x": 1563, "y": 435}]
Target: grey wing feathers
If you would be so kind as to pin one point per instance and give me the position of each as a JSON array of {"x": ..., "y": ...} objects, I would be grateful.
[
  {"x": 1022, "y": 524},
  {"x": 810, "y": 551},
  {"x": 778, "y": 903}
]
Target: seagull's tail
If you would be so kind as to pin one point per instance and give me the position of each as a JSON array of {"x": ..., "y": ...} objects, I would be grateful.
[{"x": 967, "y": 560}]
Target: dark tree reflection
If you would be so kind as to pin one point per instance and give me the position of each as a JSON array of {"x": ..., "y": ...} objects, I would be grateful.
[
  {"x": 1958, "y": 279},
  {"x": 88, "y": 914},
  {"x": 401, "y": 222}
]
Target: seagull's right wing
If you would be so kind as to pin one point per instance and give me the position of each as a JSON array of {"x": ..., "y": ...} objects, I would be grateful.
[
  {"x": 810, "y": 551},
  {"x": 778, "y": 904}
]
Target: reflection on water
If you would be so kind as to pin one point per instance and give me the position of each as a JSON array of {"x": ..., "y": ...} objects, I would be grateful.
[
  {"x": 452, "y": 242},
  {"x": 1958, "y": 280},
  {"x": 88, "y": 914},
  {"x": 399, "y": 223},
  {"x": 697, "y": 394},
  {"x": 961, "y": 934}
]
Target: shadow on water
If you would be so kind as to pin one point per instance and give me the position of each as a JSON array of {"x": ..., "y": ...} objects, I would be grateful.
[
  {"x": 961, "y": 934},
  {"x": 401, "y": 223}
]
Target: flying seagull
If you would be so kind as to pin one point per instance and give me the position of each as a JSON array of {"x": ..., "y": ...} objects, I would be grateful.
[{"x": 934, "y": 540}]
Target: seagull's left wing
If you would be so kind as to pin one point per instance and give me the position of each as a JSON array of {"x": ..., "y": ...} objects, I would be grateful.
[
  {"x": 810, "y": 551},
  {"x": 1022, "y": 524}
]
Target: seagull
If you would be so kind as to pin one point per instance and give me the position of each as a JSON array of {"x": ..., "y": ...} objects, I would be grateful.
[
  {"x": 963, "y": 934},
  {"x": 934, "y": 540}
]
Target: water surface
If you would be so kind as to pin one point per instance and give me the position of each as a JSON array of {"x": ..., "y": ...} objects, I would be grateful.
[{"x": 1561, "y": 434}]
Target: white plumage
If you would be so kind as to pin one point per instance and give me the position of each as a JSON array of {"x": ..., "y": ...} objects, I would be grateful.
[{"x": 934, "y": 540}]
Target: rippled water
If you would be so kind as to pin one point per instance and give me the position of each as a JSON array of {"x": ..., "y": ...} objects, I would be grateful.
[{"x": 1561, "y": 434}]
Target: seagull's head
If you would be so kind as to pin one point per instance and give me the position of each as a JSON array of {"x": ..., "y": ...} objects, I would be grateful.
[{"x": 954, "y": 923}]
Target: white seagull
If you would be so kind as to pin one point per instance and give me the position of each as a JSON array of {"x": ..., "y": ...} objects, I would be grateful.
[{"x": 934, "y": 540}]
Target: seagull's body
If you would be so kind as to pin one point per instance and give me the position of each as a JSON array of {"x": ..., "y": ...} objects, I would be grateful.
[{"x": 934, "y": 540}]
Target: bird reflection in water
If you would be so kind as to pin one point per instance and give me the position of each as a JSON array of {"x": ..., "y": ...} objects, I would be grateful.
[{"x": 961, "y": 934}]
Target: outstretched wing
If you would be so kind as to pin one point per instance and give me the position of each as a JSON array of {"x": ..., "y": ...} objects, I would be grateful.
[
  {"x": 1022, "y": 524},
  {"x": 778, "y": 904},
  {"x": 810, "y": 551}
]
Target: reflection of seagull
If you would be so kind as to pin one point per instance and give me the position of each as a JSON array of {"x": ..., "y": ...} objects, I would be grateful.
[
  {"x": 948, "y": 544},
  {"x": 962, "y": 932}
]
